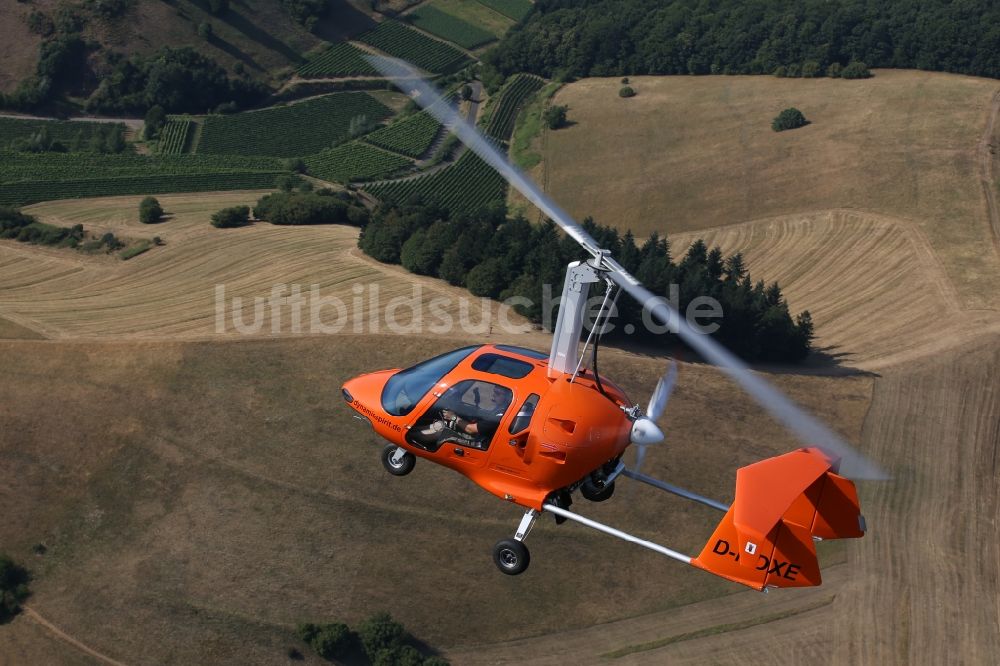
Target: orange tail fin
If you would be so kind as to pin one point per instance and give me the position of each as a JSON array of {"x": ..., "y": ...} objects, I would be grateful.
[{"x": 766, "y": 537}]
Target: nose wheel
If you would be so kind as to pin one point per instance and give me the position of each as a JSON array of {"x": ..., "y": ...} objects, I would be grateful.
[
  {"x": 397, "y": 460},
  {"x": 511, "y": 555}
]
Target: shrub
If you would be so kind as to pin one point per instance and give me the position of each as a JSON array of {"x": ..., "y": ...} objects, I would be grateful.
[
  {"x": 330, "y": 641},
  {"x": 555, "y": 116},
  {"x": 111, "y": 242},
  {"x": 624, "y": 80},
  {"x": 229, "y": 218},
  {"x": 288, "y": 182},
  {"x": 400, "y": 655},
  {"x": 380, "y": 632},
  {"x": 150, "y": 211},
  {"x": 135, "y": 250},
  {"x": 205, "y": 31},
  {"x": 156, "y": 118},
  {"x": 834, "y": 70},
  {"x": 323, "y": 207},
  {"x": 810, "y": 69},
  {"x": 466, "y": 92},
  {"x": 788, "y": 119},
  {"x": 40, "y": 24},
  {"x": 109, "y": 9},
  {"x": 626, "y": 91},
  {"x": 306, "y": 12},
  {"x": 14, "y": 581},
  {"x": 856, "y": 70}
]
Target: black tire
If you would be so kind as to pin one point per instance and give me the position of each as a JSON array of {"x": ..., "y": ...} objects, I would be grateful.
[
  {"x": 590, "y": 491},
  {"x": 404, "y": 467},
  {"x": 511, "y": 556}
]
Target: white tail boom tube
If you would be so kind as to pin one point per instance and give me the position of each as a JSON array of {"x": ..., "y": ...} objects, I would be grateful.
[{"x": 625, "y": 536}]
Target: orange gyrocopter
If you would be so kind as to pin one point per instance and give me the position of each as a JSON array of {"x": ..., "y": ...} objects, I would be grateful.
[{"x": 533, "y": 428}]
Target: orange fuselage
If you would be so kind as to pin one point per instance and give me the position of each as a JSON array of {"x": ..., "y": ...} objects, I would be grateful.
[{"x": 574, "y": 428}]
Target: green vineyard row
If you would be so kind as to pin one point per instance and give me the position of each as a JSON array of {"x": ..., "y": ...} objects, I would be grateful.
[
  {"x": 294, "y": 130},
  {"x": 354, "y": 161}
]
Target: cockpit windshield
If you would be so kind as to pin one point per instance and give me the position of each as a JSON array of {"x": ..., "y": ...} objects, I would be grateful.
[{"x": 405, "y": 388}]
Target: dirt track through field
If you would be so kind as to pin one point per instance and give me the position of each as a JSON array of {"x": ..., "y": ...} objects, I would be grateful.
[{"x": 63, "y": 636}]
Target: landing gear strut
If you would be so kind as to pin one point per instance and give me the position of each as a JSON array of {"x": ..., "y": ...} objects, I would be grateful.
[{"x": 511, "y": 555}]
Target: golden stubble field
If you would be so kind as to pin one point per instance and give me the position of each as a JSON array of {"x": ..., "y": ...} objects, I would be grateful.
[
  {"x": 692, "y": 153},
  {"x": 172, "y": 292}
]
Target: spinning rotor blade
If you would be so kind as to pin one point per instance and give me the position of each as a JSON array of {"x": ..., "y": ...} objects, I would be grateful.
[
  {"x": 661, "y": 394},
  {"x": 809, "y": 430}
]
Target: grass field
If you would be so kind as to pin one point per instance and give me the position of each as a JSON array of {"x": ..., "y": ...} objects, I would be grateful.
[
  {"x": 513, "y": 9},
  {"x": 694, "y": 153},
  {"x": 446, "y": 26},
  {"x": 478, "y": 14},
  {"x": 232, "y": 496}
]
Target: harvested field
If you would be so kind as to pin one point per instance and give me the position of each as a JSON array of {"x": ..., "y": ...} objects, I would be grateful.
[
  {"x": 874, "y": 286},
  {"x": 170, "y": 291},
  {"x": 691, "y": 153}
]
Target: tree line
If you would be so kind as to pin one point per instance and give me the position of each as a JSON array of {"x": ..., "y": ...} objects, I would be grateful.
[
  {"x": 180, "y": 80},
  {"x": 497, "y": 256},
  {"x": 575, "y": 38}
]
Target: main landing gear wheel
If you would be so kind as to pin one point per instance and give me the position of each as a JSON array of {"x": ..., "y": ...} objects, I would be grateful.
[
  {"x": 511, "y": 556},
  {"x": 397, "y": 465},
  {"x": 591, "y": 492}
]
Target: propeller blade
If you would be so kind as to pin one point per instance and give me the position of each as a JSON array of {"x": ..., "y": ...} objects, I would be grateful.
[
  {"x": 661, "y": 394},
  {"x": 640, "y": 455},
  {"x": 808, "y": 429}
]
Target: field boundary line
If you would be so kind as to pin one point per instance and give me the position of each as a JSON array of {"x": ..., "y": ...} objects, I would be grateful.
[
  {"x": 985, "y": 149},
  {"x": 36, "y": 617},
  {"x": 716, "y": 630},
  {"x": 30, "y": 324}
]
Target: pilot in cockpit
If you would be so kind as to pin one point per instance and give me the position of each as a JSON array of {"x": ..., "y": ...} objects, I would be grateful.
[{"x": 477, "y": 423}]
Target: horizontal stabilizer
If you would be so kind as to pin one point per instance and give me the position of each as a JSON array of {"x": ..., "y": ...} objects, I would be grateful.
[{"x": 766, "y": 539}]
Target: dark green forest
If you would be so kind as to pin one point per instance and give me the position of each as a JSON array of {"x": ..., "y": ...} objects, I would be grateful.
[
  {"x": 499, "y": 257},
  {"x": 574, "y": 38}
]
